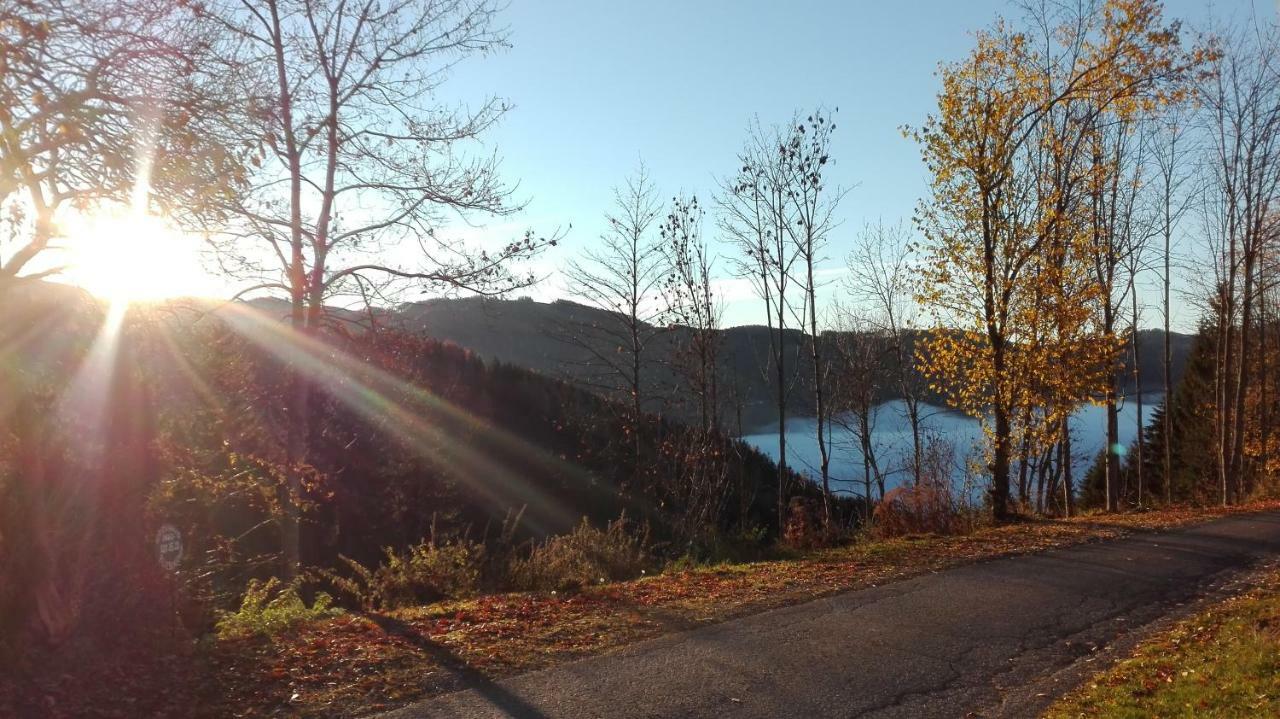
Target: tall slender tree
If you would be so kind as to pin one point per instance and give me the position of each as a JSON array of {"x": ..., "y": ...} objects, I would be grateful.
[
  {"x": 691, "y": 305},
  {"x": 756, "y": 216},
  {"x": 623, "y": 274},
  {"x": 1173, "y": 190},
  {"x": 880, "y": 279},
  {"x": 807, "y": 157}
]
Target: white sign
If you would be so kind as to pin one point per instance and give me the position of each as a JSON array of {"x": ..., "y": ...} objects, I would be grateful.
[{"x": 169, "y": 547}]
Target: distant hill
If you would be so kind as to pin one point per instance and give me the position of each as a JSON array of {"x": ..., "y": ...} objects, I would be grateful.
[
  {"x": 532, "y": 335},
  {"x": 524, "y": 333}
]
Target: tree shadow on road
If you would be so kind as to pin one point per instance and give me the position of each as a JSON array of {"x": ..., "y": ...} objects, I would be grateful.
[{"x": 502, "y": 698}]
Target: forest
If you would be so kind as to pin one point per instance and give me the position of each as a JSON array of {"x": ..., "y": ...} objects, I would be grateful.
[{"x": 1096, "y": 170}]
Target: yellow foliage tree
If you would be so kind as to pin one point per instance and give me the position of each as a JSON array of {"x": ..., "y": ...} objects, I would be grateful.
[{"x": 1005, "y": 237}]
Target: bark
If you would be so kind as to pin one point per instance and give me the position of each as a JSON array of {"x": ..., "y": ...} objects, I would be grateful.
[
  {"x": 868, "y": 458},
  {"x": 1068, "y": 491},
  {"x": 300, "y": 392},
  {"x": 782, "y": 423},
  {"x": 1137, "y": 461},
  {"x": 824, "y": 452},
  {"x": 1167, "y": 418},
  {"x": 1110, "y": 402},
  {"x": 1000, "y": 466}
]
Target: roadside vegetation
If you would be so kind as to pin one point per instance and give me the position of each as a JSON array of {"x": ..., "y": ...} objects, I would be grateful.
[
  {"x": 278, "y": 653},
  {"x": 1222, "y": 662}
]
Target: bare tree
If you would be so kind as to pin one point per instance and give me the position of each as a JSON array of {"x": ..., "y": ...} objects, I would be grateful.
[
  {"x": 1242, "y": 117},
  {"x": 1168, "y": 141},
  {"x": 99, "y": 103},
  {"x": 357, "y": 158},
  {"x": 806, "y": 157},
  {"x": 880, "y": 279},
  {"x": 691, "y": 307},
  {"x": 756, "y": 215},
  {"x": 855, "y": 393},
  {"x": 1112, "y": 191},
  {"x": 622, "y": 274},
  {"x": 1137, "y": 227},
  {"x": 692, "y": 315}
]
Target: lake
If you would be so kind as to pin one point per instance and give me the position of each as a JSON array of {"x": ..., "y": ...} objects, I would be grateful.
[{"x": 892, "y": 440}]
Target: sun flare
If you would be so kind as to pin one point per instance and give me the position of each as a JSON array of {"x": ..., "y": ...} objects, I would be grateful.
[{"x": 130, "y": 256}]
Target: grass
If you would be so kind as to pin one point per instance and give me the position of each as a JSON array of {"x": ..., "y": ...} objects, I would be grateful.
[
  {"x": 354, "y": 664},
  {"x": 1223, "y": 662}
]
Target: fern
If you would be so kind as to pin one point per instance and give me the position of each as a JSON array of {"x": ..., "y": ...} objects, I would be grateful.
[{"x": 271, "y": 607}]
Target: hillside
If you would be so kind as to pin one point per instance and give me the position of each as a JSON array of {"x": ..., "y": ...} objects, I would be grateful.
[
  {"x": 534, "y": 336},
  {"x": 530, "y": 334},
  {"x": 416, "y": 429}
]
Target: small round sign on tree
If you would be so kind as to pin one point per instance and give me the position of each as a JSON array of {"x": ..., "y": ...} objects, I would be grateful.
[{"x": 169, "y": 547}]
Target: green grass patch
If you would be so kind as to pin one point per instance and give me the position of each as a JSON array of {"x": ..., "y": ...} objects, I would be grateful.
[{"x": 1224, "y": 662}]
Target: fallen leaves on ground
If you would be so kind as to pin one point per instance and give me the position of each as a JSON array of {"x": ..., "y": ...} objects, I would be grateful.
[{"x": 355, "y": 665}]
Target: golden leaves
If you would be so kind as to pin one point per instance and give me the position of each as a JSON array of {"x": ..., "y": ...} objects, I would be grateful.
[{"x": 1007, "y": 249}]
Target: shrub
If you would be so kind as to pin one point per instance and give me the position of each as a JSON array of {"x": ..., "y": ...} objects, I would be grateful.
[
  {"x": 271, "y": 607},
  {"x": 806, "y": 527},
  {"x": 426, "y": 573},
  {"x": 587, "y": 555},
  {"x": 715, "y": 547},
  {"x": 920, "y": 509},
  {"x": 932, "y": 506}
]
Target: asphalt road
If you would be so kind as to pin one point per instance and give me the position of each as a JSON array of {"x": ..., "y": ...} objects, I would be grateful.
[{"x": 965, "y": 642}]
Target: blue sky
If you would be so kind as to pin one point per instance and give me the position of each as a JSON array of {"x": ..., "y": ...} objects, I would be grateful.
[{"x": 598, "y": 86}]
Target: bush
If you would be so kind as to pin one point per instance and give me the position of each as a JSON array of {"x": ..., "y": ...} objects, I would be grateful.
[
  {"x": 585, "y": 556},
  {"x": 426, "y": 573},
  {"x": 921, "y": 509},
  {"x": 271, "y": 607},
  {"x": 714, "y": 547},
  {"x": 932, "y": 506},
  {"x": 806, "y": 527}
]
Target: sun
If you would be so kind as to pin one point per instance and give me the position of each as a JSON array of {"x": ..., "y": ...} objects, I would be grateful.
[{"x": 128, "y": 256}]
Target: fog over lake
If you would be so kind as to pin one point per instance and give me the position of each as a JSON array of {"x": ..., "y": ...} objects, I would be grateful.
[{"x": 892, "y": 440}]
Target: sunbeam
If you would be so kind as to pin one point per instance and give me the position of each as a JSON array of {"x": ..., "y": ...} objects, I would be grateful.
[
  {"x": 83, "y": 404},
  {"x": 368, "y": 391}
]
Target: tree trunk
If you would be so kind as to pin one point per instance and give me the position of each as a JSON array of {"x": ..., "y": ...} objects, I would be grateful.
[
  {"x": 1000, "y": 464},
  {"x": 1137, "y": 461},
  {"x": 1112, "y": 418},
  {"x": 1242, "y": 381},
  {"x": 1113, "y": 441},
  {"x": 298, "y": 412},
  {"x": 1068, "y": 491},
  {"x": 819, "y": 404},
  {"x": 1167, "y": 419},
  {"x": 636, "y": 402},
  {"x": 917, "y": 448},
  {"x": 864, "y": 436},
  {"x": 782, "y": 426}
]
